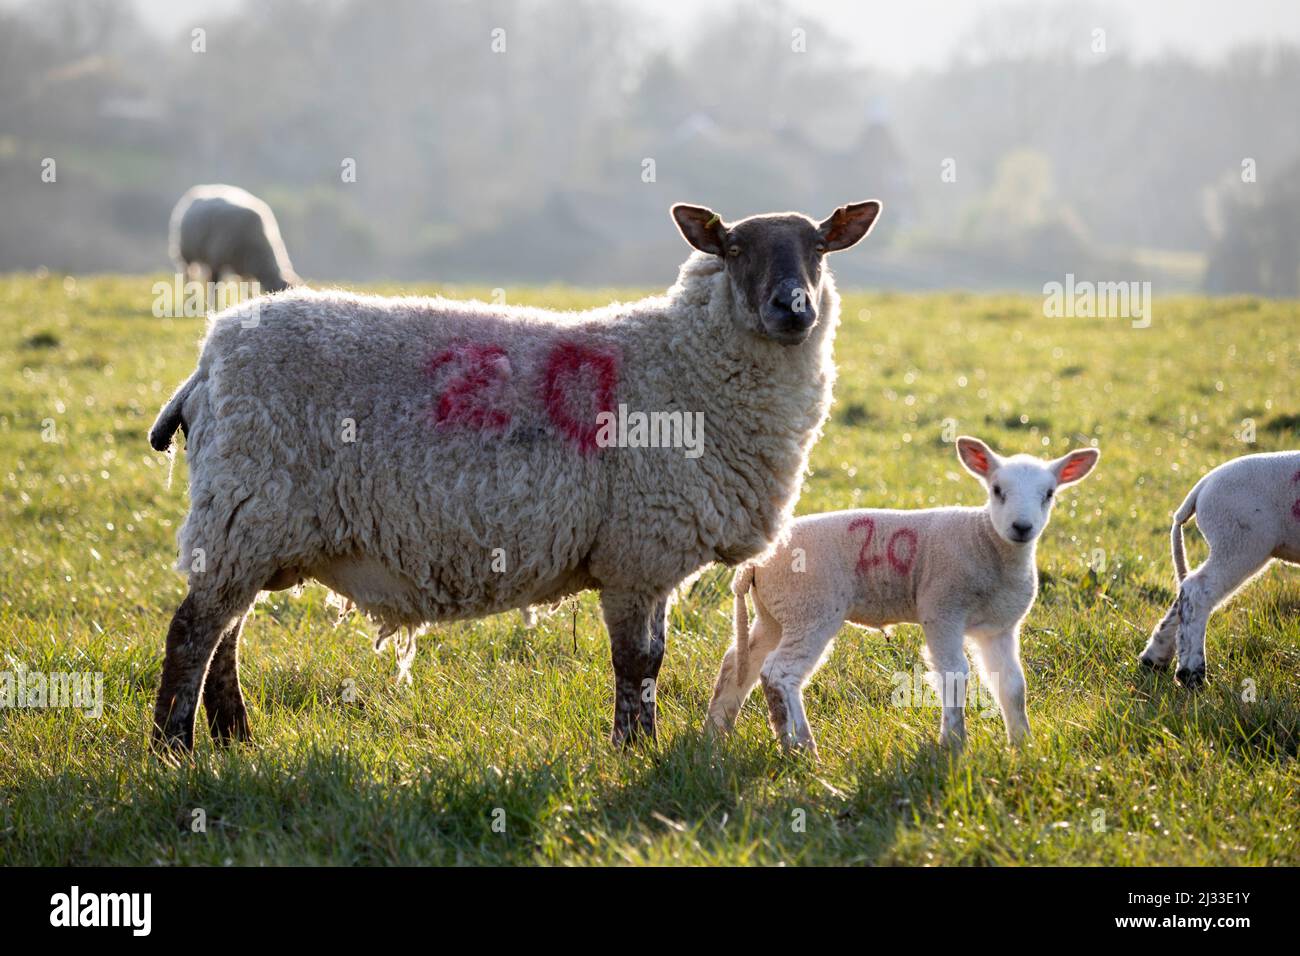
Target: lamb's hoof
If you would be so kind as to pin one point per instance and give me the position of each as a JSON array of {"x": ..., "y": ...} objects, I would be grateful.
[
  {"x": 952, "y": 744},
  {"x": 799, "y": 748},
  {"x": 1151, "y": 664},
  {"x": 715, "y": 729},
  {"x": 1191, "y": 679}
]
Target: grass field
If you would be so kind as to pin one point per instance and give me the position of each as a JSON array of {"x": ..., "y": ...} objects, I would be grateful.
[{"x": 498, "y": 754}]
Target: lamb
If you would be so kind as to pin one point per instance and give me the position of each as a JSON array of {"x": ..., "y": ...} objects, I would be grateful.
[
  {"x": 959, "y": 572},
  {"x": 1248, "y": 510},
  {"x": 221, "y": 230},
  {"x": 433, "y": 460}
]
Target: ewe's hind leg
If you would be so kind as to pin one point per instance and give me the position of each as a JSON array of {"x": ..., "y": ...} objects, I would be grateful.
[
  {"x": 637, "y": 635},
  {"x": 784, "y": 674},
  {"x": 999, "y": 659},
  {"x": 222, "y": 698},
  {"x": 203, "y": 617},
  {"x": 1203, "y": 591},
  {"x": 732, "y": 689}
]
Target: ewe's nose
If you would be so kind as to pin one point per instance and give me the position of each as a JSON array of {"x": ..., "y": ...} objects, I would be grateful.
[
  {"x": 789, "y": 299},
  {"x": 1022, "y": 528}
]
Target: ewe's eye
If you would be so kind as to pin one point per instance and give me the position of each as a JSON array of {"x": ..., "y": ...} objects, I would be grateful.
[
  {"x": 820, "y": 248},
  {"x": 733, "y": 251}
]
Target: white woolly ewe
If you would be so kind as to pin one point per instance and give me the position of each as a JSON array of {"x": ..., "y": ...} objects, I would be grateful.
[
  {"x": 434, "y": 460},
  {"x": 959, "y": 572}
]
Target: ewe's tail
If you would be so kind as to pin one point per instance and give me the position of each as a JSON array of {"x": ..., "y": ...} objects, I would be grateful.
[
  {"x": 740, "y": 585},
  {"x": 172, "y": 416},
  {"x": 1181, "y": 517}
]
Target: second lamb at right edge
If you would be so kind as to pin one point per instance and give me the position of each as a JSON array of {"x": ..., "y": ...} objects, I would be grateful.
[
  {"x": 961, "y": 573},
  {"x": 1248, "y": 511}
]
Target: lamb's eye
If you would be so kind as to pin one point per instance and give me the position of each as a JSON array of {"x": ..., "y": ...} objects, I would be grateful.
[
  {"x": 997, "y": 492},
  {"x": 1048, "y": 496},
  {"x": 733, "y": 251}
]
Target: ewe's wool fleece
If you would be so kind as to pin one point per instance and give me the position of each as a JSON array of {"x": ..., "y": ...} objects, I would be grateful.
[{"x": 470, "y": 435}]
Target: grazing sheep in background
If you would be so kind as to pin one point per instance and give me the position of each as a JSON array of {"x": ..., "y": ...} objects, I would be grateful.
[
  {"x": 223, "y": 230},
  {"x": 1248, "y": 510},
  {"x": 434, "y": 460},
  {"x": 958, "y": 572}
]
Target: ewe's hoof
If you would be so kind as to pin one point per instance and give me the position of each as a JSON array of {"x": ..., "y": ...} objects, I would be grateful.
[
  {"x": 1191, "y": 679},
  {"x": 1152, "y": 664}
]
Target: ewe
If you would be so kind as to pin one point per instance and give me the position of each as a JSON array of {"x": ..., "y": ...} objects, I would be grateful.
[
  {"x": 434, "y": 460},
  {"x": 222, "y": 230},
  {"x": 958, "y": 572},
  {"x": 1248, "y": 510}
]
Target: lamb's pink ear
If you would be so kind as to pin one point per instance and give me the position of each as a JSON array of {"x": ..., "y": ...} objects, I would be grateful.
[
  {"x": 1075, "y": 466},
  {"x": 701, "y": 227},
  {"x": 980, "y": 460},
  {"x": 847, "y": 225}
]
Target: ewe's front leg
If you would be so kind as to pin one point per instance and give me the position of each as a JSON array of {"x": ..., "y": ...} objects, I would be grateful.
[{"x": 637, "y": 626}]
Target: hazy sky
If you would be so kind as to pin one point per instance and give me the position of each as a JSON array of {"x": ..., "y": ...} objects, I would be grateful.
[{"x": 924, "y": 33}]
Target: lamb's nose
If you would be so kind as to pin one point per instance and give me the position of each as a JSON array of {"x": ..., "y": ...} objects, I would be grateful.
[{"x": 1022, "y": 528}]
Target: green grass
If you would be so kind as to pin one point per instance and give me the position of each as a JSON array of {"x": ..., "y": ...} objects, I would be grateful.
[{"x": 348, "y": 767}]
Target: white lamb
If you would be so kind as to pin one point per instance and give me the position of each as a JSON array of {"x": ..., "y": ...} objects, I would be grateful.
[
  {"x": 434, "y": 460},
  {"x": 958, "y": 572},
  {"x": 1248, "y": 510}
]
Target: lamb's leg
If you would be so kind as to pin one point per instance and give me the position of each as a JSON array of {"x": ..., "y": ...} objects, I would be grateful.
[
  {"x": 192, "y": 639},
  {"x": 222, "y": 698},
  {"x": 1160, "y": 649},
  {"x": 950, "y": 669},
  {"x": 732, "y": 690},
  {"x": 637, "y": 636},
  {"x": 999, "y": 658},
  {"x": 784, "y": 674},
  {"x": 1201, "y": 592}
]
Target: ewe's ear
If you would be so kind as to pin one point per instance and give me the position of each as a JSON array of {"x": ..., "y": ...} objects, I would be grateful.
[
  {"x": 848, "y": 224},
  {"x": 1075, "y": 466},
  {"x": 980, "y": 460},
  {"x": 701, "y": 227}
]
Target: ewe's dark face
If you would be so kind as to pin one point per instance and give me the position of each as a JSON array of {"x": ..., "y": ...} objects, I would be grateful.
[{"x": 774, "y": 262}]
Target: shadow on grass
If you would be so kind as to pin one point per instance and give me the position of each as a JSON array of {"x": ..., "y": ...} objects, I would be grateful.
[
  {"x": 1246, "y": 723},
  {"x": 315, "y": 806},
  {"x": 773, "y": 808}
]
